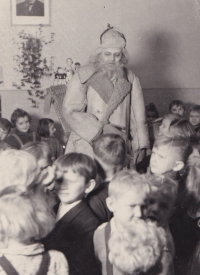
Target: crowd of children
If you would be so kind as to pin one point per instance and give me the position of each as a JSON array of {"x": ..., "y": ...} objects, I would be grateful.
[{"x": 70, "y": 214}]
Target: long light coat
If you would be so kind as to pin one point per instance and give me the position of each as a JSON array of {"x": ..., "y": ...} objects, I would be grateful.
[{"x": 87, "y": 108}]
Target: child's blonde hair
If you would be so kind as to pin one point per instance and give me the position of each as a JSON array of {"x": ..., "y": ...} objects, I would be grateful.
[
  {"x": 39, "y": 149},
  {"x": 125, "y": 180},
  {"x": 18, "y": 168},
  {"x": 138, "y": 248},
  {"x": 21, "y": 219}
]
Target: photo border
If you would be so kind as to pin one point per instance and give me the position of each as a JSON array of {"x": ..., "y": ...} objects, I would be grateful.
[{"x": 31, "y": 20}]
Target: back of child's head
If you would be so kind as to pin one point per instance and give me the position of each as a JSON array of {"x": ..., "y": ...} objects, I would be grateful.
[
  {"x": 195, "y": 108},
  {"x": 39, "y": 149},
  {"x": 138, "y": 249},
  {"x": 179, "y": 145},
  {"x": 111, "y": 149},
  {"x": 17, "y": 114},
  {"x": 17, "y": 168},
  {"x": 43, "y": 127},
  {"x": 22, "y": 218},
  {"x": 5, "y": 124},
  {"x": 164, "y": 187},
  {"x": 183, "y": 128},
  {"x": 125, "y": 181},
  {"x": 79, "y": 163},
  {"x": 177, "y": 103},
  {"x": 151, "y": 112}
]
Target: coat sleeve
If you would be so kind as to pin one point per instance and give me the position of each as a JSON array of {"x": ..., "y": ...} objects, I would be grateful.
[
  {"x": 84, "y": 124},
  {"x": 138, "y": 124}
]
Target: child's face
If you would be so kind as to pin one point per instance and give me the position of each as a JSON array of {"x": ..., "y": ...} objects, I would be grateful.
[
  {"x": 47, "y": 172},
  {"x": 177, "y": 110},
  {"x": 23, "y": 124},
  {"x": 163, "y": 159},
  {"x": 194, "y": 118},
  {"x": 164, "y": 127},
  {"x": 72, "y": 187},
  {"x": 3, "y": 134},
  {"x": 159, "y": 208},
  {"x": 52, "y": 129},
  {"x": 193, "y": 158},
  {"x": 151, "y": 116},
  {"x": 127, "y": 207}
]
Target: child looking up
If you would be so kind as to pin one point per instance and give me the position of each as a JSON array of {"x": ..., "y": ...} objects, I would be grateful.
[
  {"x": 46, "y": 130},
  {"x": 194, "y": 118},
  {"x": 169, "y": 156},
  {"x": 75, "y": 226},
  {"x": 128, "y": 192},
  {"x": 177, "y": 107},
  {"x": 110, "y": 156},
  {"x": 5, "y": 127},
  {"x": 22, "y": 133}
]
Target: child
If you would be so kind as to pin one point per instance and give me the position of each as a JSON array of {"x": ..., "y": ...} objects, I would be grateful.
[
  {"x": 22, "y": 134},
  {"x": 22, "y": 226},
  {"x": 138, "y": 249},
  {"x": 177, "y": 107},
  {"x": 160, "y": 208},
  {"x": 46, "y": 130},
  {"x": 110, "y": 156},
  {"x": 183, "y": 128},
  {"x": 151, "y": 112},
  {"x": 169, "y": 156},
  {"x": 5, "y": 127},
  {"x": 75, "y": 226},
  {"x": 128, "y": 192},
  {"x": 194, "y": 157},
  {"x": 194, "y": 118}
]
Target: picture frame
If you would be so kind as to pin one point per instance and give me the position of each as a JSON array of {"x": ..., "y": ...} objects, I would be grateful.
[{"x": 39, "y": 14}]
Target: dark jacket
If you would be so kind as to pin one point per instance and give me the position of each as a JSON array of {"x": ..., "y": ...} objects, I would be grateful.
[
  {"x": 73, "y": 236},
  {"x": 17, "y": 138},
  {"x": 36, "y": 10}
]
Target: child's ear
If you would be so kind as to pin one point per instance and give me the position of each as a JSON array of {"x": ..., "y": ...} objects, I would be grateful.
[
  {"x": 90, "y": 186},
  {"x": 110, "y": 204},
  {"x": 178, "y": 166}
]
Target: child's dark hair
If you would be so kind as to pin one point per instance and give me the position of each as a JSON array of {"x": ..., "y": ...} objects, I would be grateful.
[
  {"x": 151, "y": 107},
  {"x": 179, "y": 144},
  {"x": 5, "y": 124},
  {"x": 79, "y": 163},
  {"x": 195, "y": 108},
  {"x": 17, "y": 114},
  {"x": 177, "y": 103},
  {"x": 111, "y": 149},
  {"x": 43, "y": 127},
  {"x": 38, "y": 149}
]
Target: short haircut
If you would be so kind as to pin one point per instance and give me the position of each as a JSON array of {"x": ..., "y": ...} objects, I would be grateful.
[
  {"x": 5, "y": 124},
  {"x": 79, "y": 163},
  {"x": 125, "y": 180},
  {"x": 43, "y": 127},
  {"x": 17, "y": 168},
  {"x": 111, "y": 149},
  {"x": 38, "y": 149},
  {"x": 164, "y": 187},
  {"x": 179, "y": 144},
  {"x": 195, "y": 108},
  {"x": 77, "y": 64},
  {"x": 177, "y": 103},
  {"x": 17, "y": 114},
  {"x": 22, "y": 217}
]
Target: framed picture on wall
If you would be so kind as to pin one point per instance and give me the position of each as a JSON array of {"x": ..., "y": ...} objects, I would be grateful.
[{"x": 30, "y": 12}]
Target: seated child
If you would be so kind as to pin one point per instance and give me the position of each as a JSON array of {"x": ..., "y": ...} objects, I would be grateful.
[
  {"x": 75, "y": 226},
  {"x": 151, "y": 116},
  {"x": 160, "y": 208},
  {"x": 22, "y": 134},
  {"x": 183, "y": 128},
  {"x": 137, "y": 249},
  {"x": 128, "y": 193},
  {"x": 46, "y": 130},
  {"x": 169, "y": 156},
  {"x": 22, "y": 226},
  {"x": 177, "y": 107},
  {"x": 5, "y": 127},
  {"x": 194, "y": 119},
  {"x": 110, "y": 156}
]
